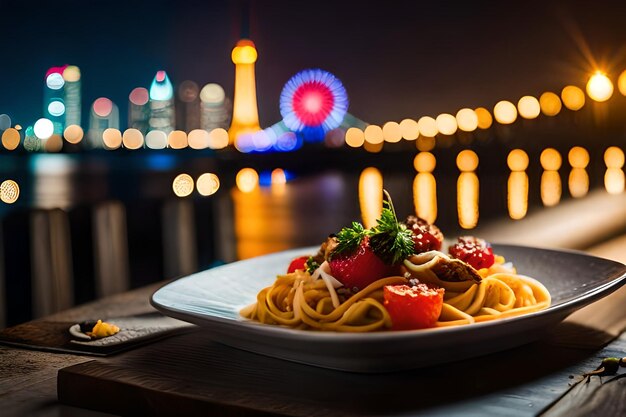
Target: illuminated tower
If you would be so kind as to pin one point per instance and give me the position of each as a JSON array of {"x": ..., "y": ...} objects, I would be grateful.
[
  {"x": 162, "y": 115},
  {"x": 245, "y": 112},
  {"x": 71, "y": 75}
]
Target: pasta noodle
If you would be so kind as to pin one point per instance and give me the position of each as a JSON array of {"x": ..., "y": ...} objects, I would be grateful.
[{"x": 301, "y": 300}]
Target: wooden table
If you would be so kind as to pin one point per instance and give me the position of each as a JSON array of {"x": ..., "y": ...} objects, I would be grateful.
[{"x": 227, "y": 381}]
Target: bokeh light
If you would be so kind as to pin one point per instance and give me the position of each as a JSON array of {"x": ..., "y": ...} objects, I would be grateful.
[
  {"x": 55, "y": 81},
  {"x": 467, "y": 120},
  {"x": 373, "y": 134},
  {"x": 73, "y": 134},
  {"x": 573, "y": 97},
  {"x": 621, "y": 83},
  {"x": 550, "y": 159},
  {"x": 71, "y": 74},
  {"x": 208, "y": 184},
  {"x": 599, "y": 87},
  {"x": 54, "y": 143},
  {"x": 156, "y": 139},
  {"x": 578, "y": 157},
  {"x": 505, "y": 112},
  {"x": 56, "y": 108},
  {"x": 355, "y": 137},
  {"x": 183, "y": 185},
  {"x": 218, "y": 138},
  {"x": 9, "y": 191},
  {"x": 392, "y": 132},
  {"x": 484, "y": 118},
  {"x": 427, "y": 126},
  {"x": 43, "y": 128},
  {"x": 425, "y": 143},
  {"x": 446, "y": 124},
  {"x": 102, "y": 107},
  {"x": 132, "y": 139},
  {"x": 370, "y": 196},
  {"x": 467, "y": 160},
  {"x": 247, "y": 180},
  {"x": 200, "y": 139},
  {"x": 550, "y": 104},
  {"x": 373, "y": 147},
  {"x": 5, "y": 121},
  {"x": 112, "y": 138},
  {"x": 528, "y": 107},
  {"x": 517, "y": 160},
  {"x": 614, "y": 157},
  {"x": 424, "y": 162},
  {"x": 139, "y": 96},
  {"x": 10, "y": 139},
  {"x": 409, "y": 129},
  {"x": 177, "y": 139}
]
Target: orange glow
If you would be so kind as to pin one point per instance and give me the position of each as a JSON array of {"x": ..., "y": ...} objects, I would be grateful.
[
  {"x": 71, "y": 73},
  {"x": 370, "y": 196},
  {"x": 177, "y": 139},
  {"x": 355, "y": 137},
  {"x": 218, "y": 138},
  {"x": 425, "y": 143},
  {"x": 207, "y": 184},
  {"x": 373, "y": 147},
  {"x": 392, "y": 132},
  {"x": 132, "y": 139},
  {"x": 614, "y": 181},
  {"x": 409, "y": 129},
  {"x": 599, "y": 87},
  {"x": 484, "y": 118},
  {"x": 200, "y": 139},
  {"x": 373, "y": 134},
  {"x": 54, "y": 143},
  {"x": 9, "y": 191},
  {"x": 550, "y": 159},
  {"x": 550, "y": 188},
  {"x": 467, "y": 119},
  {"x": 427, "y": 126},
  {"x": 528, "y": 107},
  {"x": 73, "y": 134},
  {"x": 424, "y": 162},
  {"x": 425, "y": 196},
  {"x": 112, "y": 138},
  {"x": 505, "y": 112},
  {"x": 573, "y": 97},
  {"x": 467, "y": 161},
  {"x": 621, "y": 83},
  {"x": 578, "y": 182},
  {"x": 578, "y": 157},
  {"x": 517, "y": 195},
  {"x": 183, "y": 185},
  {"x": 467, "y": 199},
  {"x": 614, "y": 157},
  {"x": 10, "y": 139},
  {"x": 247, "y": 180},
  {"x": 517, "y": 160},
  {"x": 245, "y": 112},
  {"x": 278, "y": 176},
  {"x": 550, "y": 104},
  {"x": 446, "y": 124}
]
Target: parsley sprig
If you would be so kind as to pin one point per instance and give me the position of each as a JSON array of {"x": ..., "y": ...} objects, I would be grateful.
[{"x": 390, "y": 240}]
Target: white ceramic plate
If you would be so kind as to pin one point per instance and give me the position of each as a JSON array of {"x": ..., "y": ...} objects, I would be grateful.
[{"x": 213, "y": 299}]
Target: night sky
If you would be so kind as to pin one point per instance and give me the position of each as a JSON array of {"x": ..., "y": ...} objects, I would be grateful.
[{"x": 396, "y": 59}]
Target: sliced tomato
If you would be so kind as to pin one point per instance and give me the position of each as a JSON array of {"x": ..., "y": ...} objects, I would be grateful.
[
  {"x": 416, "y": 307},
  {"x": 298, "y": 263}
]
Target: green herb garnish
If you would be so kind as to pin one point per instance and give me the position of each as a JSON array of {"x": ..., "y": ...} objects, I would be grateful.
[
  {"x": 349, "y": 238},
  {"x": 311, "y": 265},
  {"x": 390, "y": 240}
]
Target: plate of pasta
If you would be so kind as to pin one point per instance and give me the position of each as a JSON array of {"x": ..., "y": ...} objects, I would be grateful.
[{"x": 395, "y": 296}]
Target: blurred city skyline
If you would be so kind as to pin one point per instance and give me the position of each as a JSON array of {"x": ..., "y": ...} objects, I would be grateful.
[{"x": 397, "y": 59}]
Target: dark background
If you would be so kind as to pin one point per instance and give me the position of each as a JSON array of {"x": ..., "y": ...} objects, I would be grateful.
[{"x": 397, "y": 59}]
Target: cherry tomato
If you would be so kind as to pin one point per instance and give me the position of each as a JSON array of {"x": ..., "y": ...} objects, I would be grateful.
[
  {"x": 298, "y": 263},
  {"x": 475, "y": 251},
  {"x": 416, "y": 307}
]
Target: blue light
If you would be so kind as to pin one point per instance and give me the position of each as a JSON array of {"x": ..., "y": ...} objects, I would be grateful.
[
  {"x": 161, "y": 88},
  {"x": 288, "y": 141},
  {"x": 265, "y": 178},
  {"x": 160, "y": 162}
]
